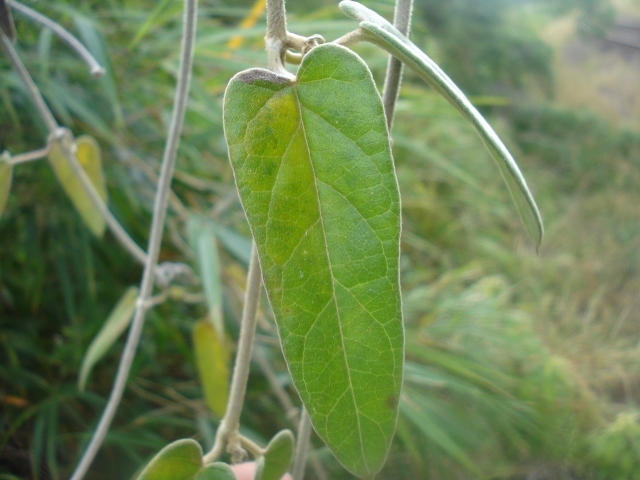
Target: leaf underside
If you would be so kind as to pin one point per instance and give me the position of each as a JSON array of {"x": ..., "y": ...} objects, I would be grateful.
[{"x": 315, "y": 175}]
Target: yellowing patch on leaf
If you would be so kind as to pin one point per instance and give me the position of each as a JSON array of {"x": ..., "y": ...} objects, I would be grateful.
[{"x": 88, "y": 154}]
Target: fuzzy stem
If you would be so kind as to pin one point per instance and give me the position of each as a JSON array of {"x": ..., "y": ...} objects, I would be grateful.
[
  {"x": 155, "y": 237},
  {"x": 32, "y": 90},
  {"x": 54, "y": 130},
  {"x": 276, "y": 38},
  {"x": 302, "y": 444},
  {"x": 391, "y": 89},
  {"x": 95, "y": 67},
  {"x": 228, "y": 429}
]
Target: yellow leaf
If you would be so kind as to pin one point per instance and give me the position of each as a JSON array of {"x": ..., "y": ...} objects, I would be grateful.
[
  {"x": 6, "y": 172},
  {"x": 212, "y": 360},
  {"x": 88, "y": 154}
]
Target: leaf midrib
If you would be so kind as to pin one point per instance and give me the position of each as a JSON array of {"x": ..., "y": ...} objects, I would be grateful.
[{"x": 333, "y": 289}]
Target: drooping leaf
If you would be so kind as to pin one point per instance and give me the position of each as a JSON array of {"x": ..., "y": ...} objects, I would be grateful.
[
  {"x": 314, "y": 171},
  {"x": 182, "y": 460},
  {"x": 212, "y": 359},
  {"x": 88, "y": 153},
  {"x": 278, "y": 455},
  {"x": 203, "y": 243},
  {"x": 380, "y": 32},
  {"x": 116, "y": 323},
  {"x": 6, "y": 174}
]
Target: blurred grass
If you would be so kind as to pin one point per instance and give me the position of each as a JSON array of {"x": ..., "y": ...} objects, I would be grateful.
[{"x": 518, "y": 364}]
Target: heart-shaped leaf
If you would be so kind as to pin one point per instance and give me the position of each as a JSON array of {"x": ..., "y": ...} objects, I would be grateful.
[
  {"x": 6, "y": 174},
  {"x": 116, "y": 323},
  {"x": 212, "y": 359},
  {"x": 380, "y": 32},
  {"x": 315, "y": 175},
  {"x": 278, "y": 455},
  {"x": 182, "y": 460},
  {"x": 88, "y": 154}
]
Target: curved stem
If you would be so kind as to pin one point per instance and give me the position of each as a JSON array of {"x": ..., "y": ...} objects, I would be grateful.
[
  {"x": 73, "y": 42},
  {"x": 55, "y": 131},
  {"x": 155, "y": 238},
  {"x": 228, "y": 428},
  {"x": 302, "y": 444},
  {"x": 393, "y": 78},
  {"x": 32, "y": 90}
]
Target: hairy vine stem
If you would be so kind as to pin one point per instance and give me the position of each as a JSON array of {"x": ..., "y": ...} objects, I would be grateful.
[
  {"x": 393, "y": 78},
  {"x": 227, "y": 433},
  {"x": 155, "y": 237},
  {"x": 302, "y": 445},
  {"x": 55, "y": 134},
  {"x": 94, "y": 66}
]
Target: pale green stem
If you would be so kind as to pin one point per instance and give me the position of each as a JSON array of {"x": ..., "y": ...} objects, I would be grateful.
[
  {"x": 227, "y": 434},
  {"x": 26, "y": 157},
  {"x": 155, "y": 237},
  {"x": 302, "y": 444},
  {"x": 393, "y": 78},
  {"x": 32, "y": 90},
  {"x": 53, "y": 128},
  {"x": 95, "y": 67},
  {"x": 276, "y": 37}
]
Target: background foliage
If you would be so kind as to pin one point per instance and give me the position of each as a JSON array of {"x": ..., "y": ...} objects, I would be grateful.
[{"x": 518, "y": 364}]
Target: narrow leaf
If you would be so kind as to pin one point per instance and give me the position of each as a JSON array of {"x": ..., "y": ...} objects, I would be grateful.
[
  {"x": 6, "y": 174},
  {"x": 278, "y": 455},
  {"x": 203, "y": 243},
  {"x": 212, "y": 359},
  {"x": 182, "y": 460},
  {"x": 113, "y": 327},
  {"x": 315, "y": 175},
  {"x": 88, "y": 153},
  {"x": 380, "y": 32}
]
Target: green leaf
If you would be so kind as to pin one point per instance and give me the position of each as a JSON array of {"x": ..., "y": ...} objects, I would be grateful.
[
  {"x": 182, "y": 460},
  {"x": 6, "y": 174},
  {"x": 203, "y": 243},
  {"x": 379, "y": 31},
  {"x": 212, "y": 360},
  {"x": 315, "y": 175},
  {"x": 278, "y": 455},
  {"x": 113, "y": 327},
  {"x": 88, "y": 153}
]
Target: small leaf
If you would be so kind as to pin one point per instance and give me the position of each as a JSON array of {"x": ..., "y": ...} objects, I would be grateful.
[
  {"x": 203, "y": 243},
  {"x": 113, "y": 327},
  {"x": 212, "y": 359},
  {"x": 278, "y": 455},
  {"x": 182, "y": 460},
  {"x": 6, "y": 174},
  {"x": 88, "y": 153},
  {"x": 216, "y": 471},
  {"x": 314, "y": 171},
  {"x": 380, "y": 32}
]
